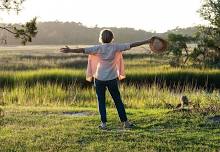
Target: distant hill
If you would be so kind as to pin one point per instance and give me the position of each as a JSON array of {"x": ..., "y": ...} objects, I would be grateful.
[
  {"x": 190, "y": 31},
  {"x": 77, "y": 33}
]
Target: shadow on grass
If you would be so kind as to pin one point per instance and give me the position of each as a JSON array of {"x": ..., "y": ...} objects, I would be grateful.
[
  {"x": 156, "y": 130},
  {"x": 178, "y": 123}
]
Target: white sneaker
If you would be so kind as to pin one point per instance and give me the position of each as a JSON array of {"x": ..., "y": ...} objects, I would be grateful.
[
  {"x": 127, "y": 124},
  {"x": 103, "y": 126}
]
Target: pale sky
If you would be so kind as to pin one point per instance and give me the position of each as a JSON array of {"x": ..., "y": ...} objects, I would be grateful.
[{"x": 149, "y": 15}]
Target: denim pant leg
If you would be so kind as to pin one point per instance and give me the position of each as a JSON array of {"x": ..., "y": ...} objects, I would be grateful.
[
  {"x": 100, "y": 87},
  {"x": 114, "y": 91}
]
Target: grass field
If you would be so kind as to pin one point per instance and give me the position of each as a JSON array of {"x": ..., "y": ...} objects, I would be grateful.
[
  {"x": 49, "y": 129},
  {"x": 39, "y": 85}
]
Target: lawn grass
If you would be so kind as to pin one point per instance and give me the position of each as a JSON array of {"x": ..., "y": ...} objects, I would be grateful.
[
  {"x": 38, "y": 85},
  {"x": 47, "y": 129}
]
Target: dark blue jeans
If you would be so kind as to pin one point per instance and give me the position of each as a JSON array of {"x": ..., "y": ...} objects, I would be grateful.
[{"x": 112, "y": 86}]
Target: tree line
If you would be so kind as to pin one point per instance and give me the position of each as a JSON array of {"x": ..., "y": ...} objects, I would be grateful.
[
  {"x": 207, "y": 40},
  {"x": 56, "y": 32}
]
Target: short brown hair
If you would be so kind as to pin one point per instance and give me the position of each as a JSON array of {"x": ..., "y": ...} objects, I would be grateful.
[{"x": 106, "y": 36}]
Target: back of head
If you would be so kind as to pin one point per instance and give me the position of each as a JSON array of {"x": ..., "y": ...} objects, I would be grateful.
[{"x": 106, "y": 36}]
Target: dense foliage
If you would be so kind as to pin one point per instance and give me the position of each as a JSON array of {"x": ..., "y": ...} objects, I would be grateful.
[{"x": 208, "y": 38}]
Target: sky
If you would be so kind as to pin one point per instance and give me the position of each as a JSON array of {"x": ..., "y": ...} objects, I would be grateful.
[{"x": 149, "y": 15}]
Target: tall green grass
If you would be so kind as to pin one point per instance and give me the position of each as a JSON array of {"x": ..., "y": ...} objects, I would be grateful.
[
  {"x": 44, "y": 76},
  {"x": 42, "y": 64},
  {"x": 56, "y": 76},
  {"x": 169, "y": 77},
  {"x": 133, "y": 97}
]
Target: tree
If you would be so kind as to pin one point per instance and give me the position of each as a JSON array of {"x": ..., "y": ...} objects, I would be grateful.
[
  {"x": 208, "y": 38},
  {"x": 178, "y": 47},
  {"x": 207, "y": 51},
  {"x": 26, "y": 31}
]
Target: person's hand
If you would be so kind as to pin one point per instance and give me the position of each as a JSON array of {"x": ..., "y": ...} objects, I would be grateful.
[{"x": 65, "y": 50}]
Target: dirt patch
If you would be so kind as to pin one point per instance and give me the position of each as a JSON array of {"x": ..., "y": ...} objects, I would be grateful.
[{"x": 79, "y": 113}]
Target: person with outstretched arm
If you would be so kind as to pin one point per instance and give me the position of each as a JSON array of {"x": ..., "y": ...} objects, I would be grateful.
[{"x": 105, "y": 67}]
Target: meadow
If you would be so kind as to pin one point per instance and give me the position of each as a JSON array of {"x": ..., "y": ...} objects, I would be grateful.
[{"x": 38, "y": 84}]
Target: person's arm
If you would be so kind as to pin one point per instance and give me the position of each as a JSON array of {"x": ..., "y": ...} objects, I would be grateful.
[
  {"x": 139, "y": 43},
  {"x": 69, "y": 50}
]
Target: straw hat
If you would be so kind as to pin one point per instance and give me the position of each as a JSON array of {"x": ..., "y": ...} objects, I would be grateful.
[{"x": 158, "y": 45}]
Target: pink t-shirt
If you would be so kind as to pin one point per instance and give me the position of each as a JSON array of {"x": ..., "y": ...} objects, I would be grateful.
[{"x": 106, "y": 67}]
